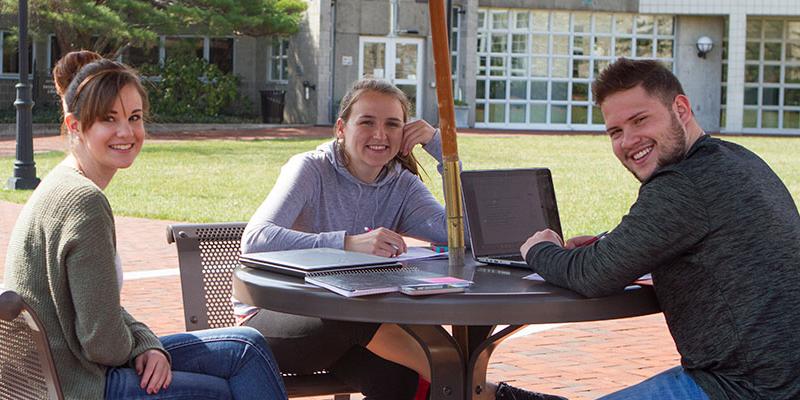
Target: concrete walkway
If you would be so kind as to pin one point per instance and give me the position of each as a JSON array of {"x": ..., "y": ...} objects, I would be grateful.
[{"x": 580, "y": 360}]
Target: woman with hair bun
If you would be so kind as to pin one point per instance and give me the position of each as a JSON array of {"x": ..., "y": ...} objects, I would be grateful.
[{"x": 62, "y": 260}]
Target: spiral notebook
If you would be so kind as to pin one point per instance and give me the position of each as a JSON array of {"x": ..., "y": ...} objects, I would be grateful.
[{"x": 368, "y": 281}]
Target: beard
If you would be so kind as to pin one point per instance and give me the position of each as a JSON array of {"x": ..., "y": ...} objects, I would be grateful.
[{"x": 673, "y": 148}]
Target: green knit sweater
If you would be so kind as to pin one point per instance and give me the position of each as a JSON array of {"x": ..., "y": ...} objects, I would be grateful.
[{"x": 61, "y": 261}]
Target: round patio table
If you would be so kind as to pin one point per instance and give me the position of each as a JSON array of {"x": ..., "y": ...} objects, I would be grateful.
[{"x": 458, "y": 361}]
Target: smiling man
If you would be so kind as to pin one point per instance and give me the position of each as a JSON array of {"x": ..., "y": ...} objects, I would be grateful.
[{"x": 717, "y": 229}]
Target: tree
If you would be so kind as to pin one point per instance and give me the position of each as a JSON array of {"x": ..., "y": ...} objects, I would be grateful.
[{"x": 109, "y": 26}]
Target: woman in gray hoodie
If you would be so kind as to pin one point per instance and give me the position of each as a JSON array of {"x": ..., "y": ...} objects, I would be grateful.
[{"x": 361, "y": 192}]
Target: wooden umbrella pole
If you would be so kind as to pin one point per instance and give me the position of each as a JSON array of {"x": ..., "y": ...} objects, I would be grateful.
[{"x": 444, "y": 94}]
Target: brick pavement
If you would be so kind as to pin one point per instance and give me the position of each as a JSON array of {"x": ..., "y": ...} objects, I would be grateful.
[{"x": 580, "y": 360}]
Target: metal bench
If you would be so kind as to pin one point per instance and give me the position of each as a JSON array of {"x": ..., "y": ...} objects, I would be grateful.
[
  {"x": 27, "y": 371},
  {"x": 207, "y": 255}
]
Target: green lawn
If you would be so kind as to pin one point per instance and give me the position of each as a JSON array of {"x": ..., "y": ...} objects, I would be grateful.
[{"x": 214, "y": 181}]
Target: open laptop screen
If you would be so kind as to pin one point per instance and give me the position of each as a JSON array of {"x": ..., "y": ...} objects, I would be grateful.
[{"x": 505, "y": 207}]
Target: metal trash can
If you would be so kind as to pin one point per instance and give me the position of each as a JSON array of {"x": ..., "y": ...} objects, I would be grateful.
[{"x": 272, "y": 106}]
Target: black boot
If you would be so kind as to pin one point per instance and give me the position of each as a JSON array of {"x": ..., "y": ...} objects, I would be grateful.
[
  {"x": 375, "y": 377},
  {"x": 506, "y": 392}
]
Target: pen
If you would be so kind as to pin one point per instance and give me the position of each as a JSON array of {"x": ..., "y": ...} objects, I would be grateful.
[
  {"x": 368, "y": 229},
  {"x": 594, "y": 239}
]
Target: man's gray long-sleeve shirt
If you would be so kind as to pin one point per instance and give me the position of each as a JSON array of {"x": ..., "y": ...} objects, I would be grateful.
[{"x": 720, "y": 234}]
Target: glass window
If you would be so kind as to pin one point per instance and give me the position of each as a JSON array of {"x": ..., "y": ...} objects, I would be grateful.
[
  {"x": 538, "y": 113},
  {"x": 500, "y": 20},
  {"x": 183, "y": 47},
  {"x": 751, "y": 96},
  {"x": 558, "y": 114},
  {"x": 560, "y": 68},
  {"x": 580, "y": 69},
  {"x": 539, "y": 90},
  {"x": 750, "y": 118},
  {"x": 597, "y": 116},
  {"x": 559, "y": 91},
  {"x": 623, "y": 24},
  {"x": 519, "y": 90},
  {"x": 753, "y": 29},
  {"x": 499, "y": 43},
  {"x": 374, "y": 59},
  {"x": 580, "y": 91},
  {"x": 770, "y": 96},
  {"x": 138, "y": 57},
  {"x": 773, "y": 29},
  {"x": 519, "y": 43},
  {"x": 581, "y": 22},
  {"x": 581, "y": 45},
  {"x": 772, "y": 51},
  {"x": 602, "y": 23},
  {"x": 623, "y": 48},
  {"x": 560, "y": 22},
  {"x": 644, "y": 25},
  {"x": 769, "y": 119},
  {"x": 541, "y": 21},
  {"x": 540, "y": 44},
  {"x": 516, "y": 113},
  {"x": 644, "y": 48},
  {"x": 772, "y": 74},
  {"x": 11, "y": 54},
  {"x": 220, "y": 53},
  {"x": 751, "y": 73},
  {"x": 664, "y": 49},
  {"x": 752, "y": 51},
  {"x": 664, "y": 25},
  {"x": 539, "y": 67},
  {"x": 580, "y": 114},
  {"x": 561, "y": 45},
  {"x": 791, "y": 97},
  {"x": 497, "y": 112},
  {"x": 602, "y": 46},
  {"x": 791, "y": 120},
  {"x": 497, "y": 89}
]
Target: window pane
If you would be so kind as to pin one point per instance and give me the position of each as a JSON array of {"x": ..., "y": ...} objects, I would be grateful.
[
  {"x": 793, "y": 30},
  {"x": 55, "y": 52},
  {"x": 792, "y": 75},
  {"x": 540, "y": 44},
  {"x": 497, "y": 89},
  {"x": 750, "y": 118},
  {"x": 519, "y": 43},
  {"x": 769, "y": 96},
  {"x": 11, "y": 54},
  {"x": 772, "y": 73},
  {"x": 602, "y": 46},
  {"x": 516, "y": 113},
  {"x": 500, "y": 20},
  {"x": 580, "y": 114},
  {"x": 538, "y": 113},
  {"x": 751, "y": 73},
  {"x": 581, "y": 22},
  {"x": 541, "y": 21},
  {"x": 539, "y": 90},
  {"x": 644, "y": 47},
  {"x": 752, "y": 51},
  {"x": 664, "y": 48},
  {"x": 644, "y": 25},
  {"x": 558, "y": 114},
  {"x": 664, "y": 25},
  {"x": 791, "y": 97},
  {"x": 561, "y": 45},
  {"x": 791, "y": 120},
  {"x": 602, "y": 23},
  {"x": 405, "y": 64},
  {"x": 560, "y": 68},
  {"x": 773, "y": 29},
  {"x": 183, "y": 47},
  {"x": 792, "y": 51},
  {"x": 772, "y": 51},
  {"x": 519, "y": 90},
  {"x": 769, "y": 119},
  {"x": 580, "y": 91},
  {"x": 539, "y": 67},
  {"x": 722, "y": 117},
  {"x": 581, "y": 45},
  {"x": 480, "y": 112},
  {"x": 137, "y": 57},
  {"x": 519, "y": 66},
  {"x": 623, "y": 24},
  {"x": 482, "y": 41},
  {"x": 499, "y": 43},
  {"x": 374, "y": 59},
  {"x": 480, "y": 89},
  {"x": 751, "y": 96},
  {"x": 521, "y": 20},
  {"x": 559, "y": 91},
  {"x": 623, "y": 48},
  {"x": 754, "y": 29},
  {"x": 220, "y": 53},
  {"x": 599, "y": 66},
  {"x": 580, "y": 69},
  {"x": 497, "y": 113},
  {"x": 560, "y": 22}
]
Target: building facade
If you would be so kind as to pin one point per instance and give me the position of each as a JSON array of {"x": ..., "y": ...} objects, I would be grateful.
[
  {"x": 529, "y": 64},
  {"x": 517, "y": 64}
]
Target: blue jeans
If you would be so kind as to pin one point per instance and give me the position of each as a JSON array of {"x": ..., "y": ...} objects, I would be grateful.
[
  {"x": 672, "y": 384},
  {"x": 228, "y": 363}
]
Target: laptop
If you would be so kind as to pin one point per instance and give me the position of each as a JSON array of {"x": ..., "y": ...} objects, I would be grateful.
[
  {"x": 301, "y": 262},
  {"x": 506, "y": 207}
]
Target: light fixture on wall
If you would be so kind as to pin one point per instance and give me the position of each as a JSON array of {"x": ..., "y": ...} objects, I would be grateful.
[{"x": 704, "y": 45}]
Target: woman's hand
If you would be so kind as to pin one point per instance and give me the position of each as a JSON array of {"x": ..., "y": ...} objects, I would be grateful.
[
  {"x": 380, "y": 242},
  {"x": 154, "y": 368},
  {"x": 414, "y": 133}
]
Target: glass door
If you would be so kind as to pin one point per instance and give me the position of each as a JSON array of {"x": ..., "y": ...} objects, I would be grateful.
[{"x": 398, "y": 60}]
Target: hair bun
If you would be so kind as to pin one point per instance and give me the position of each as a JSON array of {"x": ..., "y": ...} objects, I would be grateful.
[{"x": 68, "y": 66}]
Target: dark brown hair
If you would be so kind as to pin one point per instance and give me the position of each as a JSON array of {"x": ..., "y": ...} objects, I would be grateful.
[
  {"x": 624, "y": 74},
  {"x": 69, "y": 65},
  {"x": 361, "y": 86},
  {"x": 95, "y": 88}
]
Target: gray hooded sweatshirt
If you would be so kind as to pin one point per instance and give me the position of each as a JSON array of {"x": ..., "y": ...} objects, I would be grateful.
[{"x": 316, "y": 202}]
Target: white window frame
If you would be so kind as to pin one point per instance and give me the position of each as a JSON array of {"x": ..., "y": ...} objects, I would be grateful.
[
  {"x": 282, "y": 57},
  {"x": 501, "y": 25}
]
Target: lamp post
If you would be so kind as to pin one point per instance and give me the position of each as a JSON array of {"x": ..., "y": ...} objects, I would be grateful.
[{"x": 24, "y": 176}]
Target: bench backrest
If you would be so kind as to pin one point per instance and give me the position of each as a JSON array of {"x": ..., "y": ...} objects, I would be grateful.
[{"x": 27, "y": 371}]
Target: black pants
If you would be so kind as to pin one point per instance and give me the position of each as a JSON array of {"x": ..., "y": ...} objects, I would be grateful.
[{"x": 304, "y": 345}]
